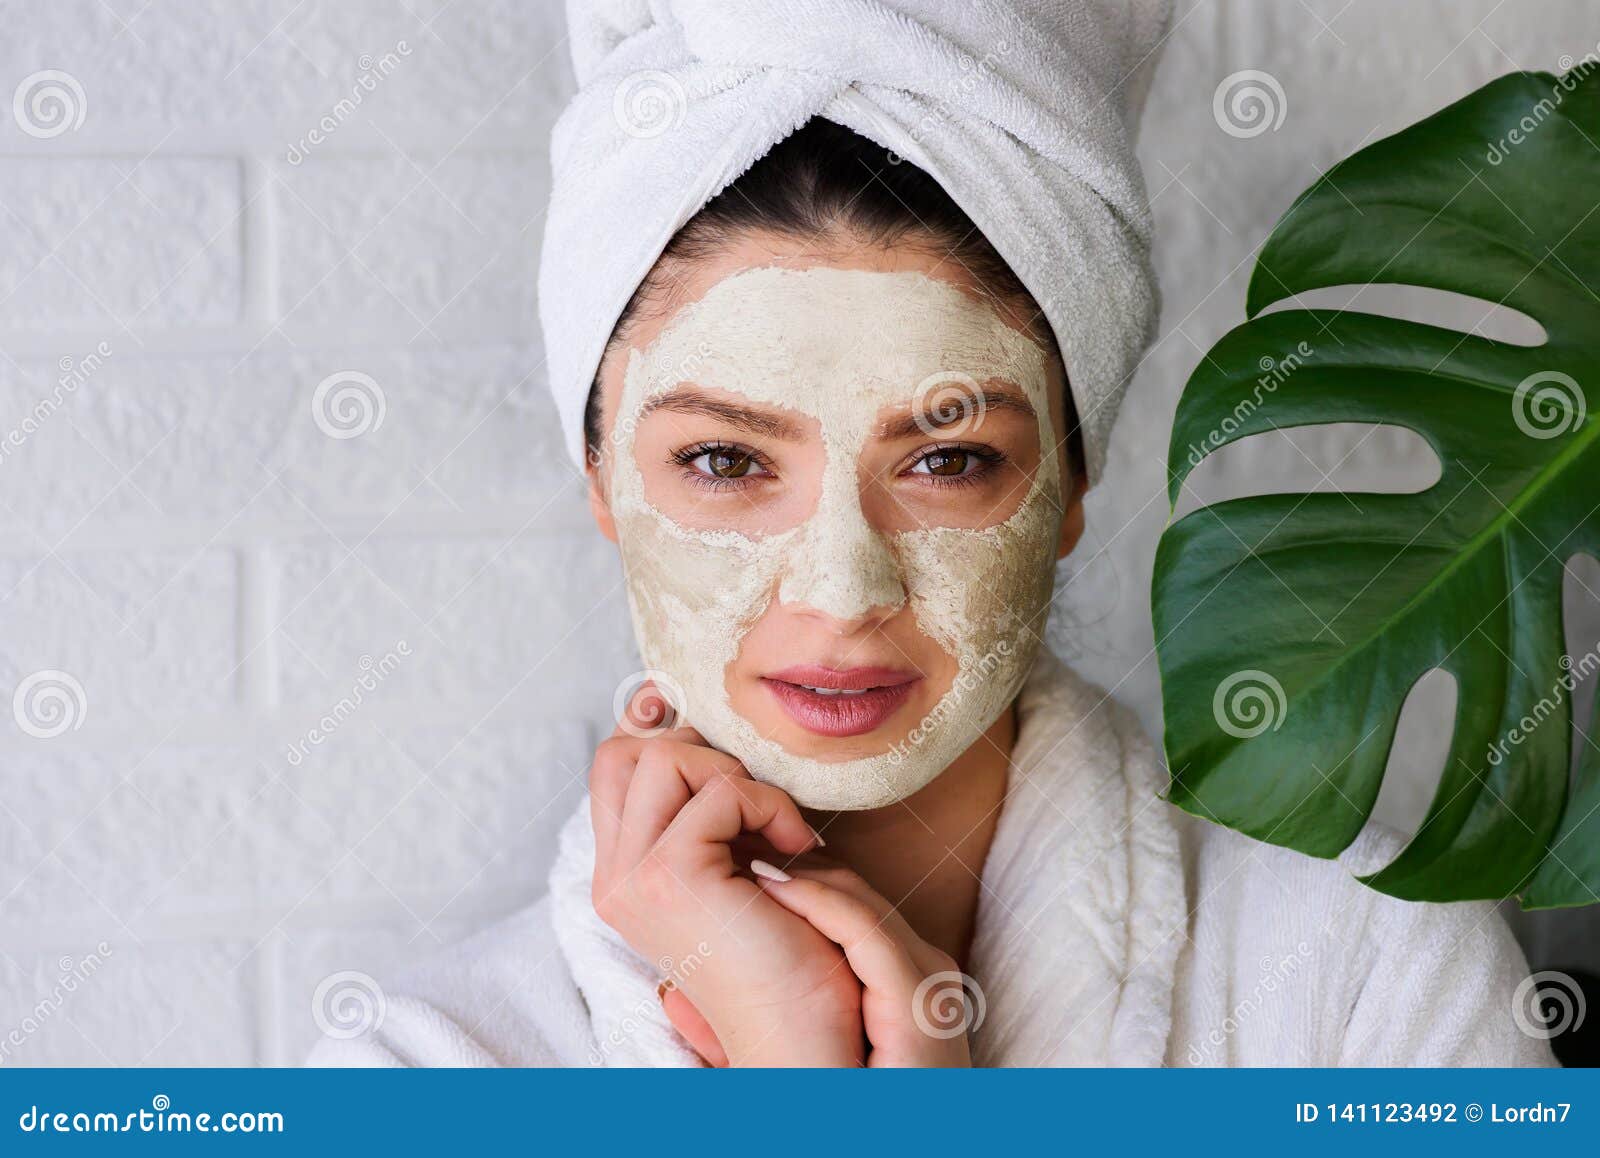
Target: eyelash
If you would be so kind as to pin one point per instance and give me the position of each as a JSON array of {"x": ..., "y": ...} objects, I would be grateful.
[
  {"x": 684, "y": 457},
  {"x": 987, "y": 458}
]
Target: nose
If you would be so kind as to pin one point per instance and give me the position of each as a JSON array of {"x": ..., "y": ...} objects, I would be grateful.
[{"x": 839, "y": 565}]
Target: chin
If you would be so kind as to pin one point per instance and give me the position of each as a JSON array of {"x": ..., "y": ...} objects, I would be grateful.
[{"x": 854, "y": 783}]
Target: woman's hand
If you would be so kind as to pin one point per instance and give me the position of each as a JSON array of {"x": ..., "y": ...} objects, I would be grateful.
[
  {"x": 770, "y": 988},
  {"x": 914, "y": 1005}
]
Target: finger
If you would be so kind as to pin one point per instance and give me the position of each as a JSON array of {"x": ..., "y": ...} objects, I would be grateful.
[
  {"x": 609, "y": 774},
  {"x": 839, "y": 876},
  {"x": 651, "y": 714},
  {"x": 726, "y": 806},
  {"x": 665, "y": 778},
  {"x": 696, "y": 1030},
  {"x": 876, "y": 956},
  {"x": 749, "y": 846}
]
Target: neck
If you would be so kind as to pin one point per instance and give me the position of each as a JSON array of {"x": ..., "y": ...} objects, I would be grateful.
[{"x": 925, "y": 853}]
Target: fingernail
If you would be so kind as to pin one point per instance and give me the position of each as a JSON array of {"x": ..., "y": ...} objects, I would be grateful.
[
  {"x": 820, "y": 842},
  {"x": 771, "y": 871}
]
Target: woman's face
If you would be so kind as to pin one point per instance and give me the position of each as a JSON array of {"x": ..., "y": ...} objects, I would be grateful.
[{"x": 837, "y": 485}]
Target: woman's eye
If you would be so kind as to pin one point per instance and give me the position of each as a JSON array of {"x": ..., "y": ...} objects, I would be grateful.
[
  {"x": 944, "y": 463},
  {"x": 727, "y": 463}
]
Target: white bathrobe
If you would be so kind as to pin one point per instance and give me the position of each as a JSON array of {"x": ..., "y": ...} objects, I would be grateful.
[{"x": 1112, "y": 929}]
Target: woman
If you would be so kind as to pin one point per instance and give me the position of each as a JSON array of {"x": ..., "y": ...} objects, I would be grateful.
[{"x": 858, "y": 815}]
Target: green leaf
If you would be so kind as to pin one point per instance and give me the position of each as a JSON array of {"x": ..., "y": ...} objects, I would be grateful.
[{"x": 1322, "y": 611}]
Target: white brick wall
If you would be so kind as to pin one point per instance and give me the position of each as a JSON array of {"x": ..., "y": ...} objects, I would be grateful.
[{"x": 183, "y": 539}]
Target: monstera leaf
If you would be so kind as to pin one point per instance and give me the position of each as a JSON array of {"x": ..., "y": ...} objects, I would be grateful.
[{"x": 1292, "y": 627}]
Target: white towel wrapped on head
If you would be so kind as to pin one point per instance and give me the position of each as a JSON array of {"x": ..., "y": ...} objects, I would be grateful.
[{"x": 1023, "y": 110}]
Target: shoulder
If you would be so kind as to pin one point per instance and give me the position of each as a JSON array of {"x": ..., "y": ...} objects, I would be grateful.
[
  {"x": 501, "y": 997},
  {"x": 1363, "y": 978}
]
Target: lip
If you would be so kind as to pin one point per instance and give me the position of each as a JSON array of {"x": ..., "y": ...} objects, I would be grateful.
[{"x": 880, "y": 693}]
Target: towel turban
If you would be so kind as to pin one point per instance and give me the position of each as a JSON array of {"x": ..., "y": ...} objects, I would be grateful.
[{"x": 1024, "y": 111}]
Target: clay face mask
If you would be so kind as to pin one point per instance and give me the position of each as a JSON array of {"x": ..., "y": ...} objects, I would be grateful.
[{"x": 839, "y": 346}]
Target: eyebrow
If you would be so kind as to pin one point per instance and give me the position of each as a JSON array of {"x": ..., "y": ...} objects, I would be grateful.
[
  {"x": 752, "y": 421},
  {"x": 918, "y": 421}
]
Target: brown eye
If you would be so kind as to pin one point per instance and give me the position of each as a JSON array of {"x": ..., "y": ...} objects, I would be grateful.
[
  {"x": 728, "y": 463},
  {"x": 946, "y": 463},
  {"x": 722, "y": 464}
]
